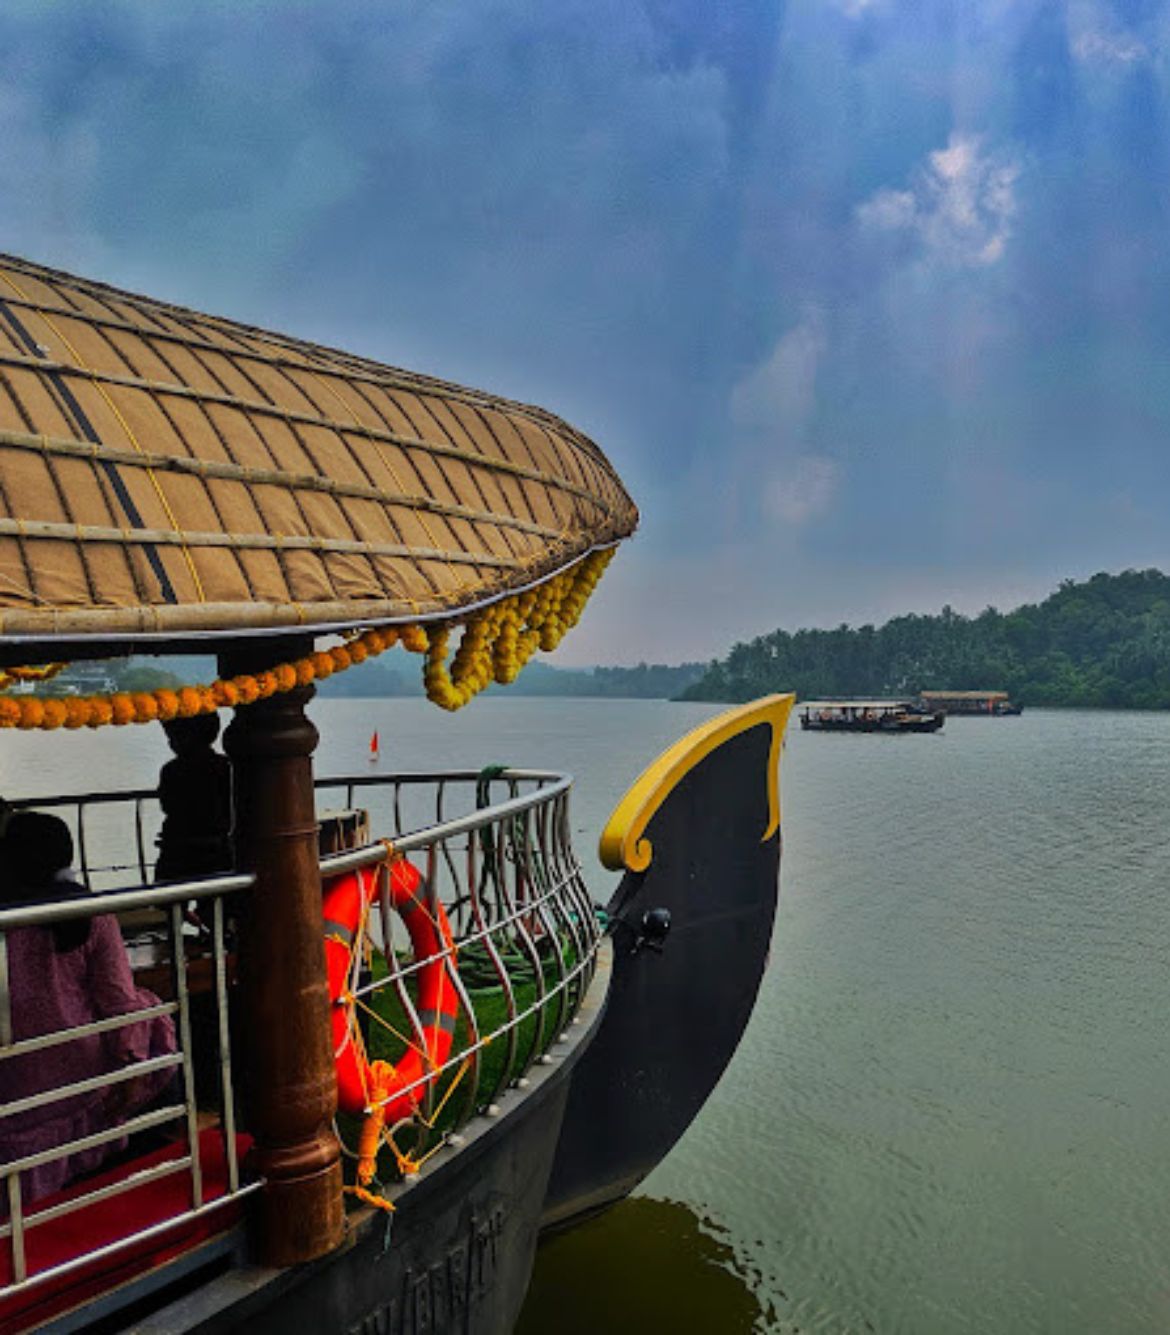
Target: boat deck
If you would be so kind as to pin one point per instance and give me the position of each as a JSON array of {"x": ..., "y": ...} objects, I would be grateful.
[{"x": 494, "y": 852}]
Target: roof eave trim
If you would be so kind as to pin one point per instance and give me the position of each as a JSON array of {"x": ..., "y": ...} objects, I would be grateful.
[{"x": 129, "y": 628}]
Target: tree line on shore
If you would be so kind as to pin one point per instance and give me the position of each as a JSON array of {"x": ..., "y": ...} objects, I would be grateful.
[
  {"x": 647, "y": 681},
  {"x": 396, "y": 674},
  {"x": 1103, "y": 642}
]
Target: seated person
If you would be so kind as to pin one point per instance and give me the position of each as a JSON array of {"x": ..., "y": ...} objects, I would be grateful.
[
  {"x": 60, "y": 976},
  {"x": 195, "y": 792}
]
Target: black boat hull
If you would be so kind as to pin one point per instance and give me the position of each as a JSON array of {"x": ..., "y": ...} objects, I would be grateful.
[
  {"x": 890, "y": 727},
  {"x": 456, "y": 1255},
  {"x": 678, "y": 1006},
  {"x": 658, "y": 1026}
]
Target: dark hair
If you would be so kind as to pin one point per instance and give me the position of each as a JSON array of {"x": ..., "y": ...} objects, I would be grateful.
[
  {"x": 191, "y": 734},
  {"x": 35, "y": 847}
]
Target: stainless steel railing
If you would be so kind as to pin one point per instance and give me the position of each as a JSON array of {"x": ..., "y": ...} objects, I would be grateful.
[
  {"x": 178, "y": 1108},
  {"x": 511, "y": 886},
  {"x": 105, "y": 825},
  {"x": 493, "y": 847}
]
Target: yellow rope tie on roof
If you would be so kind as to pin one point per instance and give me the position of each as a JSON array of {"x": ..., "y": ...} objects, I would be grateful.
[
  {"x": 133, "y": 439},
  {"x": 496, "y": 643},
  {"x": 359, "y": 426},
  {"x": 150, "y": 473}
]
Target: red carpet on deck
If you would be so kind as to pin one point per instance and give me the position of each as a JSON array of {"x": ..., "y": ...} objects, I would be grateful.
[{"x": 107, "y": 1221}]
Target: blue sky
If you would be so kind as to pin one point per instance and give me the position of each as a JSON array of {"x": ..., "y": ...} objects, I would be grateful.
[{"x": 868, "y": 300}]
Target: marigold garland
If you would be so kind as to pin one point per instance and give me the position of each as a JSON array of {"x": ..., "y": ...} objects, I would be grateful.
[
  {"x": 499, "y": 640},
  {"x": 496, "y": 643}
]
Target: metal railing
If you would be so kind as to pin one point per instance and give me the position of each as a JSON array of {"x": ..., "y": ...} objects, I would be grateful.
[
  {"x": 525, "y": 931},
  {"x": 494, "y": 848},
  {"x": 102, "y": 839},
  {"x": 175, "y": 1104}
]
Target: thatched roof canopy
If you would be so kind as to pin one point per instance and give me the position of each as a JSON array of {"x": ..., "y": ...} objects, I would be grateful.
[{"x": 166, "y": 474}]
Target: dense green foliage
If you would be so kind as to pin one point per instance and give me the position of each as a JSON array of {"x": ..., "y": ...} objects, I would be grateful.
[{"x": 1104, "y": 642}]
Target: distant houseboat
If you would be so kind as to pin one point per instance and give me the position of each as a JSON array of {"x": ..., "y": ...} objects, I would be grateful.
[
  {"x": 993, "y": 703},
  {"x": 887, "y": 716}
]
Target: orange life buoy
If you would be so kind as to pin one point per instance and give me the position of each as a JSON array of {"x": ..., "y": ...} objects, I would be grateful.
[{"x": 371, "y": 1087}]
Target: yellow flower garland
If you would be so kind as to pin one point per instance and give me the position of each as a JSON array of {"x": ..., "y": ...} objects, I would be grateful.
[{"x": 496, "y": 643}]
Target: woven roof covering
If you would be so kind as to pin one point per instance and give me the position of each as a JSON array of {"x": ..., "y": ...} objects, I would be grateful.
[{"x": 167, "y": 473}]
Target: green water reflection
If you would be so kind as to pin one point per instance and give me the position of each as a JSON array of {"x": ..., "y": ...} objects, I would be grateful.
[{"x": 642, "y": 1268}]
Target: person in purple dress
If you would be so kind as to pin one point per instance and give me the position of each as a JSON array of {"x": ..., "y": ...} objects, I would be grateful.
[{"x": 61, "y": 976}]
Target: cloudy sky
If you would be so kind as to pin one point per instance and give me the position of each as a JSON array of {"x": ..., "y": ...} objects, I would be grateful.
[{"x": 868, "y": 300}]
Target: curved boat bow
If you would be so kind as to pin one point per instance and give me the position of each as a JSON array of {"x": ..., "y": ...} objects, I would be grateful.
[{"x": 698, "y": 840}]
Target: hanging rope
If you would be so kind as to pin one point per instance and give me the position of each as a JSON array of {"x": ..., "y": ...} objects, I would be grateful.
[{"x": 387, "y": 1088}]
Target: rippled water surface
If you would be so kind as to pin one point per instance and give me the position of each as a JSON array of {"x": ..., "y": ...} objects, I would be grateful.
[{"x": 951, "y": 1111}]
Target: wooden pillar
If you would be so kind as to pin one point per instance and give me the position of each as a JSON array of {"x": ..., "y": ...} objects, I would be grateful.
[{"x": 288, "y": 1071}]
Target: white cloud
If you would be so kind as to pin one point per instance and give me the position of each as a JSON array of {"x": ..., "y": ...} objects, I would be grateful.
[
  {"x": 1114, "y": 48},
  {"x": 855, "y": 8},
  {"x": 889, "y": 210},
  {"x": 772, "y": 407},
  {"x": 778, "y": 395},
  {"x": 1096, "y": 38},
  {"x": 960, "y": 204},
  {"x": 803, "y": 490}
]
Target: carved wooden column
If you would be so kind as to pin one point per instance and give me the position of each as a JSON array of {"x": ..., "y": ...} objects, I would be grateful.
[{"x": 288, "y": 1061}]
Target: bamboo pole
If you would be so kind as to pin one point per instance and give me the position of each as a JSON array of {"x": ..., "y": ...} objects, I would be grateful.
[
  {"x": 258, "y": 408},
  {"x": 49, "y": 530},
  {"x": 162, "y": 619},
  {"x": 302, "y": 355},
  {"x": 66, "y": 447}
]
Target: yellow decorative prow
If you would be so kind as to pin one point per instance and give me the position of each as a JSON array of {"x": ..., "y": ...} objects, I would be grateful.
[{"x": 623, "y": 843}]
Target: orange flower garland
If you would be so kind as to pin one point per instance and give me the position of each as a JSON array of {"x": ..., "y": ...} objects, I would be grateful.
[
  {"x": 496, "y": 643},
  {"x": 124, "y": 707}
]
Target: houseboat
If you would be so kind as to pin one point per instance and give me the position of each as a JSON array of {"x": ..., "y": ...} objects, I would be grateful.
[
  {"x": 890, "y": 717},
  {"x": 983, "y": 704},
  {"x": 337, "y": 1065}
]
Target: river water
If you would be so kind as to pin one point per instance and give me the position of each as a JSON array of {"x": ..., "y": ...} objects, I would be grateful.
[{"x": 951, "y": 1110}]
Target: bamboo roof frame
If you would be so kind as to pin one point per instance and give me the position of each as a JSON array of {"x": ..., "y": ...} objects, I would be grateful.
[{"x": 167, "y": 475}]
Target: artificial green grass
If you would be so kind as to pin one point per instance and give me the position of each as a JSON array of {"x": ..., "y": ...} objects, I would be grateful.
[{"x": 504, "y": 1057}]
